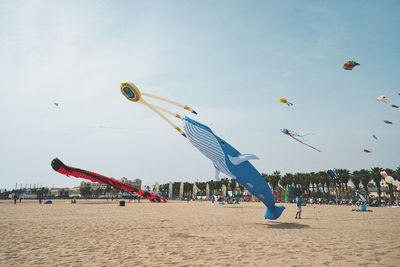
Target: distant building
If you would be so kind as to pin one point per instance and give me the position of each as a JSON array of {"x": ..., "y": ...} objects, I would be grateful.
[
  {"x": 93, "y": 186},
  {"x": 59, "y": 192},
  {"x": 136, "y": 183}
]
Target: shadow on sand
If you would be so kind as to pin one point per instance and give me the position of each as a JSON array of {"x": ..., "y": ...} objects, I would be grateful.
[{"x": 284, "y": 225}]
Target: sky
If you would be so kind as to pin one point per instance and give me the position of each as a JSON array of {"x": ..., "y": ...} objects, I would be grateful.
[{"x": 231, "y": 61}]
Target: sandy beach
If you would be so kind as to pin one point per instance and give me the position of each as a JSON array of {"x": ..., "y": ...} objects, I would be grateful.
[{"x": 195, "y": 233}]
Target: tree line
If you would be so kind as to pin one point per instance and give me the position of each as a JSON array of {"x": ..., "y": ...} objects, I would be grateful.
[{"x": 308, "y": 184}]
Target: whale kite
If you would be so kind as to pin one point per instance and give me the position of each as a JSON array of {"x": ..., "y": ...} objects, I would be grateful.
[{"x": 226, "y": 158}]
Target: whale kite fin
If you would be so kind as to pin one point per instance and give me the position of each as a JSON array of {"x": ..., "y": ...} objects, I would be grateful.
[
  {"x": 241, "y": 158},
  {"x": 273, "y": 214}
]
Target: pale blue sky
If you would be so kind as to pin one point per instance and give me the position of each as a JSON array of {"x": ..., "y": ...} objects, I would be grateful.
[{"x": 229, "y": 60}]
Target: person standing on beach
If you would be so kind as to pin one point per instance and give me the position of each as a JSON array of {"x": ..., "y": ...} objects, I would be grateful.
[{"x": 298, "y": 204}]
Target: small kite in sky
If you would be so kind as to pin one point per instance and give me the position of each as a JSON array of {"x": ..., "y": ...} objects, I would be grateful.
[
  {"x": 296, "y": 136},
  {"x": 349, "y": 65},
  {"x": 367, "y": 151},
  {"x": 385, "y": 100},
  {"x": 375, "y": 137},
  {"x": 382, "y": 98},
  {"x": 56, "y": 104},
  {"x": 283, "y": 100},
  {"x": 387, "y": 122}
]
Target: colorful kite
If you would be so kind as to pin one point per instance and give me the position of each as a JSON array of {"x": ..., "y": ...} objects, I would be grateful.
[
  {"x": 295, "y": 136},
  {"x": 390, "y": 179},
  {"x": 349, "y": 65},
  {"x": 225, "y": 158},
  {"x": 385, "y": 100},
  {"x": 360, "y": 195},
  {"x": 334, "y": 174},
  {"x": 382, "y": 98},
  {"x": 60, "y": 167},
  {"x": 388, "y": 122},
  {"x": 283, "y": 100},
  {"x": 367, "y": 151}
]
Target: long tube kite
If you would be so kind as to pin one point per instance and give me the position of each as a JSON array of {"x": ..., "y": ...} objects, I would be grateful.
[
  {"x": 294, "y": 136},
  {"x": 60, "y": 167},
  {"x": 132, "y": 93},
  {"x": 225, "y": 158}
]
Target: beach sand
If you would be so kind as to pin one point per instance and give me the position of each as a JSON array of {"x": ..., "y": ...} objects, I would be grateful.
[{"x": 195, "y": 233}]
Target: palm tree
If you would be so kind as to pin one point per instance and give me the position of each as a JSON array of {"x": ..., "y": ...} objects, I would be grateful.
[
  {"x": 273, "y": 180},
  {"x": 376, "y": 176},
  {"x": 324, "y": 181},
  {"x": 356, "y": 179},
  {"x": 365, "y": 179},
  {"x": 344, "y": 176}
]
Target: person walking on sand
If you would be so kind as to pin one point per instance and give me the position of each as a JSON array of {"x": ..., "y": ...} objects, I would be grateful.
[{"x": 298, "y": 204}]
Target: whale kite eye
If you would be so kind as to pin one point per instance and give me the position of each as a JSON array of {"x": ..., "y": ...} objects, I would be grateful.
[{"x": 223, "y": 142}]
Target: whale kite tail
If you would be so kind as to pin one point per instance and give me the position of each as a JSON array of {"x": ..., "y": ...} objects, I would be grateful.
[{"x": 273, "y": 214}]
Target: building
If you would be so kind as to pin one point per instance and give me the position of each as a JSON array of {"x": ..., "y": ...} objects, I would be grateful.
[
  {"x": 135, "y": 183},
  {"x": 59, "y": 192},
  {"x": 94, "y": 186}
]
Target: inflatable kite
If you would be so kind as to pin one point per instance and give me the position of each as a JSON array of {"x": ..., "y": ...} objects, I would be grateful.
[
  {"x": 225, "y": 159},
  {"x": 349, "y": 65},
  {"x": 283, "y": 100},
  {"x": 375, "y": 137},
  {"x": 387, "y": 122},
  {"x": 296, "y": 136},
  {"x": 390, "y": 179},
  {"x": 334, "y": 174},
  {"x": 367, "y": 151},
  {"x": 60, "y": 167},
  {"x": 360, "y": 195}
]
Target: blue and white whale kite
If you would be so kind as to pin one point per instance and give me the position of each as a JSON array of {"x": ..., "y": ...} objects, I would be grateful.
[{"x": 226, "y": 159}]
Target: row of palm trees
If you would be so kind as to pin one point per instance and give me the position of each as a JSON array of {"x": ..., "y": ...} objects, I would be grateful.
[{"x": 308, "y": 184}]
